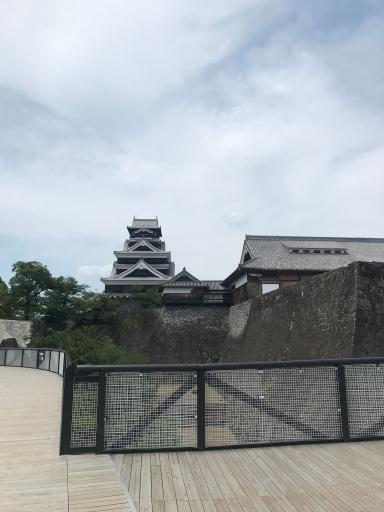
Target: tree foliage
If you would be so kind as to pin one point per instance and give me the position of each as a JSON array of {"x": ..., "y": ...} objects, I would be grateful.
[
  {"x": 5, "y": 309},
  {"x": 27, "y": 289},
  {"x": 86, "y": 345},
  {"x": 67, "y": 315}
]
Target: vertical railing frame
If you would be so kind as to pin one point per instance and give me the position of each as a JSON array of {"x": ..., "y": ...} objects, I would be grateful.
[
  {"x": 201, "y": 409},
  {"x": 100, "y": 424},
  {"x": 343, "y": 402},
  {"x": 66, "y": 410}
]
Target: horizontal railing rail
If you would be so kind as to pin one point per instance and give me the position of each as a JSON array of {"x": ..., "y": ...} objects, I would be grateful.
[
  {"x": 56, "y": 361},
  {"x": 91, "y": 368},
  {"x": 117, "y": 408}
]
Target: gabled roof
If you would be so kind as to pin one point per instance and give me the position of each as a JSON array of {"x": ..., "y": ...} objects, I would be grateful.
[
  {"x": 184, "y": 275},
  {"x": 142, "y": 264},
  {"x": 291, "y": 253},
  {"x": 142, "y": 242}
]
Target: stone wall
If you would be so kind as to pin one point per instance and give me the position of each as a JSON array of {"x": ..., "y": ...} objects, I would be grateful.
[
  {"x": 18, "y": 329},
  {"x": 314, "y": 318},
  {"x": 335, "y": 314},
  {"x": 174, "y": 334},
  {"x": 369, "y": 328}
]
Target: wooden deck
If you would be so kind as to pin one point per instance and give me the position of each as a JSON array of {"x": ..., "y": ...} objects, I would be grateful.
[
  {"x": 312, "y": 478},
  {"x": 33, "y": 477}
]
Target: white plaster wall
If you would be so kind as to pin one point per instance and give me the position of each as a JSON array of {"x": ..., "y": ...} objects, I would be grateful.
[
  {"x": 21, "y": 330},
  {"x": 241, "y": 280}
]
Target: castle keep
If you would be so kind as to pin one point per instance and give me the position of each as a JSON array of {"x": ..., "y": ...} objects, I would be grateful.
[{"x": 143, "y": 262}]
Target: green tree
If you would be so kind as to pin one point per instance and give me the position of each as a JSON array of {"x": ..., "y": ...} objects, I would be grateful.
[
  {"x": 27, "y": 288},
  {"x": 86, "y": 345},
  {"x": 94, "y": 308},
  {"x": 5, "y": 310},
  {"x": 61, "y": 300}
]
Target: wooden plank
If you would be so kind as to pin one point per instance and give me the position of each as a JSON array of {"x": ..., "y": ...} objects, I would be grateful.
[
  {"x": 157, "y": 483},
  {"x": 32, "y": 474}
]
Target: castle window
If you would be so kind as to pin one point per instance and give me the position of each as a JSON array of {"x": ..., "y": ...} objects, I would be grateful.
[{"x": 269, "y": 287}]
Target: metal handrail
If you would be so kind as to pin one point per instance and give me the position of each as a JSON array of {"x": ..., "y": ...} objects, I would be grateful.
[
  {"x": 42, "y": 361},
  {"x": 96, "y": 389},
  {"x": 298, "y": 363}
]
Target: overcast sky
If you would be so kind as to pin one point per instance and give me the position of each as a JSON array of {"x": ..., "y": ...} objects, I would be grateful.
[{"x": 220, "y": 117}]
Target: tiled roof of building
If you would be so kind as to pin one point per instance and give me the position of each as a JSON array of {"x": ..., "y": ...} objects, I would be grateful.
[
  {"x": 309, "y": 253},
  {"x": 186, "y": 284},
  {"x": 184, "y": 275},
  {"x": 211, "y": 285},
  {"x": 145, "y": 223},
  {"x": 214, "y": 285}
]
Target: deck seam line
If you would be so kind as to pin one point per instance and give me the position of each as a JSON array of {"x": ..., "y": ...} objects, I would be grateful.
[
  {"x": 66, "y": 464},
  {"x": 123, "y": 485}
]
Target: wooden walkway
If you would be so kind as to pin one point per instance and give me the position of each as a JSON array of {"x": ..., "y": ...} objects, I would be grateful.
[
  {"x": 33, "y": 477},
  {"x": 312, "y": 478}
]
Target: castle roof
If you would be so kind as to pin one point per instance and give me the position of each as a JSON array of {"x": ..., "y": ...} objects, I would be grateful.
[
  {"x": 291, "y": 253},
  {"x": 145, "y": 223}
]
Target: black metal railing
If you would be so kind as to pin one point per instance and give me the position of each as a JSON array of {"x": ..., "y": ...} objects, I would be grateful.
[
  {"x": 111, "y": 409},
  {"x": 56, "y": 361}
]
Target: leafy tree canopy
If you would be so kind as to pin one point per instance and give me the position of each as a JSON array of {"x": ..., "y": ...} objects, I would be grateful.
[
  {"x": 67, "y": 314},
  {"x": 5, "y": 310},
  {"x": 86, "y": 345},
  {"x": 28, "y": 285}
]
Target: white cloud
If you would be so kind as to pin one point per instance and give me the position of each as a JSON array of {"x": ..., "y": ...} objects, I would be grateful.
[
  {"x": 219, "y": 118},
  {"x": 95, "y": 270}
]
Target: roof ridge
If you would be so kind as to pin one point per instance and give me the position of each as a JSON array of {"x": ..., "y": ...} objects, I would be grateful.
[{"x": 313, "y": 238}]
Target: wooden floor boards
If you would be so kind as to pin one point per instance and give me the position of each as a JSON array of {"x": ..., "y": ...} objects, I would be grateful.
[
  {"x": 312, "y": 478},
  {"x": 33, "y": 477}
]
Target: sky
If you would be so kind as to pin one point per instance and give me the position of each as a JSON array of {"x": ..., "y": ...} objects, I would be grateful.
[{"x": 222, "y": 118}]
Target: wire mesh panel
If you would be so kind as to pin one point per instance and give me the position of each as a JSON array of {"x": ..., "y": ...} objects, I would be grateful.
[
  {"x": 54, "y": 362},
  {"x": 30, "y": 357},
  {"x": 2, "y": 357},
  {"x": 84, "y": 414},
  {"x": 365, "y": 397},
  {"x": 150, "y": 410},
  {"x": 250, "y": 406},
  {"x": 13, "y": 357}
]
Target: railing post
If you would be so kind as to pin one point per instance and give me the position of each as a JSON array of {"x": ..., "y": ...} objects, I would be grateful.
[
  {"x": 22, "y": 357},
  {"x": 201, "y": 409},
  {"x": 66, "y": 410},
  {"x": 343, "y": 402},
  {"x": 100, "y": 414}
]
